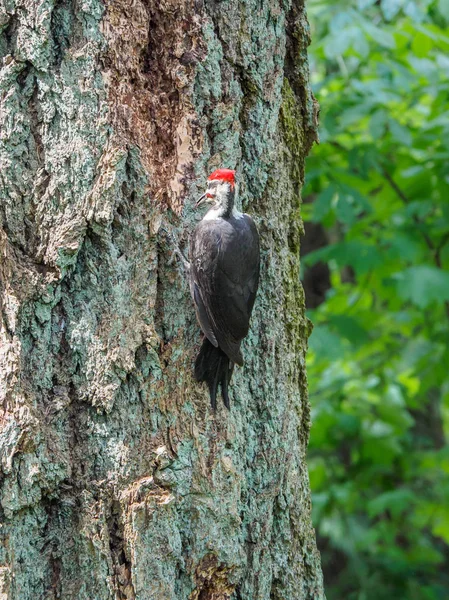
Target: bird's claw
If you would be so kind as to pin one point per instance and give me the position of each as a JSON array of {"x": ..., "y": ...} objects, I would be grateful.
[{"x": 176, "y": 252}]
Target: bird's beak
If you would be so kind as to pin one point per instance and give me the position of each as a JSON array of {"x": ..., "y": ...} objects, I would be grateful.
[
  {"x": 201, "y": 200},
  {"x": 206, "y": 197}
]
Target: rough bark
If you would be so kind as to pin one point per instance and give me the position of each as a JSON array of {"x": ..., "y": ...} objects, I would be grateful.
[{"x": 117, "y": 480}]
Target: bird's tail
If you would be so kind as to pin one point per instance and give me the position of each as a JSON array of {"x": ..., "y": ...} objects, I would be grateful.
[{"x": 213, "y": 366}]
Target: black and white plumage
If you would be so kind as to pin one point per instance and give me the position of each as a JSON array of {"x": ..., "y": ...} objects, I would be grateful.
[{"x": 224, "y": 276}]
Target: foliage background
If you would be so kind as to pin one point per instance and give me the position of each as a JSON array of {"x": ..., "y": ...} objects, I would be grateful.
[{"x": 377, "y": 192}]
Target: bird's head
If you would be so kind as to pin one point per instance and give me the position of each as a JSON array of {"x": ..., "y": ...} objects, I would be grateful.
[{"x": 220, "y": 189}]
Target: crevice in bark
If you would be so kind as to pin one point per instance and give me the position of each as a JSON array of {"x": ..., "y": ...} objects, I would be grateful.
[
  {"x": 22, "y": 77},
  {"x": 238, "y": 593},
  {"x": 8, "y": 37},
  {"x": 37, "y": 158},
  {"x": 61, "y": 28},
  {"x": 51, "y": 547},
  {"x": 75, "y": 410},
  {"x": 76, "y": 415},
  {"x": 35, "y": 115},
  {"x": 123, "y": 585},
  {"x": 250, "y": 93},
  {"x": 159, "y": 322},
  {"x": 212, "y": 580}
]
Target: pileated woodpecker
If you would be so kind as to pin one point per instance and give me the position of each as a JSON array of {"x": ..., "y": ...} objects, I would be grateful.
[{"x": 224, "y": 276}]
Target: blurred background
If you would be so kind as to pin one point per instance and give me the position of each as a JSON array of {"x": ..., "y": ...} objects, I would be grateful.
[{"x": 376, "y": 275}]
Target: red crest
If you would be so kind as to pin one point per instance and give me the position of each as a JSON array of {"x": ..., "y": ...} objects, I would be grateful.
[{"x": 223, "y": 175}]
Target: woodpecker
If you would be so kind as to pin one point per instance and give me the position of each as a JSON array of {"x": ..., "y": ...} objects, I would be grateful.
[{"x": 223, "y": 278}]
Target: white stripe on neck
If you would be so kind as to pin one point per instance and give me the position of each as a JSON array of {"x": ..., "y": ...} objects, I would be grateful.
[{"x": 217, "y": 213}]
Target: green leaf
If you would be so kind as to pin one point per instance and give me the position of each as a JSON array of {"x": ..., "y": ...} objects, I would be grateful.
[
  {"x": 336, "y": 45},
  {"x": 378, "y": 124},
  {"x": 441, "y": 526},
  {"x": 349, "y": 328},
  {"x": 422, "y": 45},
  {"x": 363, "y": 4},
  {"x": 325, "y": 343},
  {"x": 400, "y": 133},
  {"x": 346, "y": 210},
  {"x": 359, "y": 255},
  {"x": 423, "y": 285},
  {"x": 396, "y": 502},
  {"x": 382, "y": 36},
  {"x": 322, "y": 204},
  {"x": 390, "y": 8}
]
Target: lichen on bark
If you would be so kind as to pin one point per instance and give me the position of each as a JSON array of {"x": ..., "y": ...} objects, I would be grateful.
[{"x": 117, "y": 480}]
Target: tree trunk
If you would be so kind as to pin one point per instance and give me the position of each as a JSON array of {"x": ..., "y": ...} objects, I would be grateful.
[{"x": 118, "y": 481}]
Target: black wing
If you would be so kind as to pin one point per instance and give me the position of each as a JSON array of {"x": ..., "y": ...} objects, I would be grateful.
[{"x": 225, "y": 276}]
